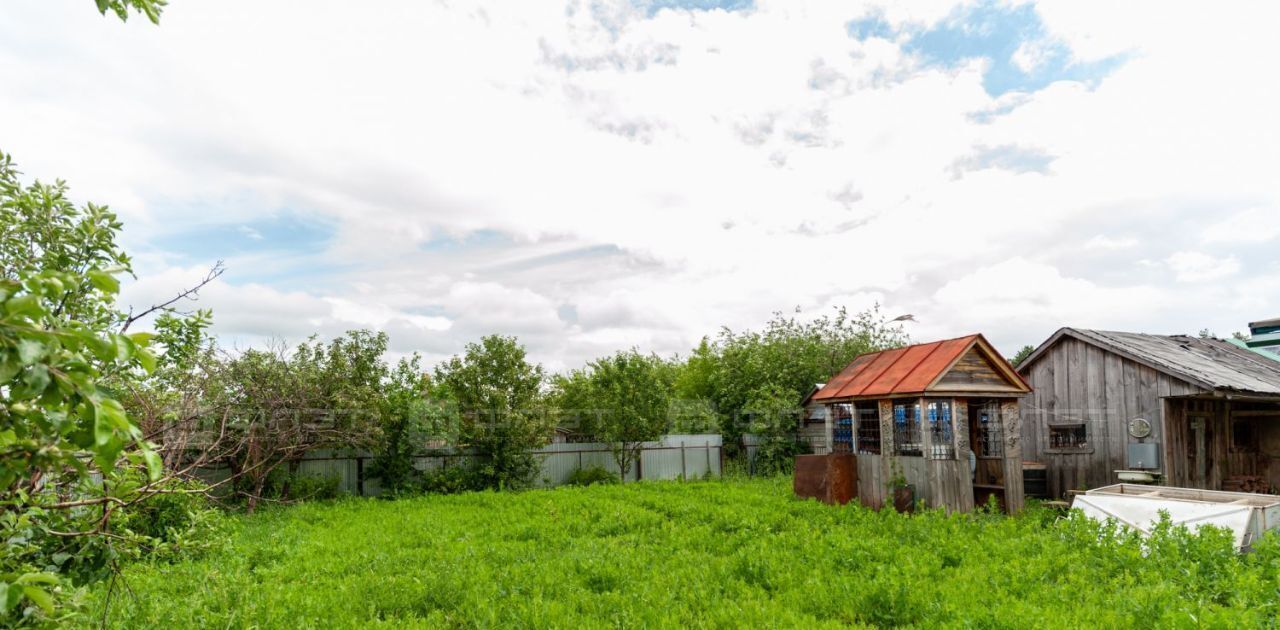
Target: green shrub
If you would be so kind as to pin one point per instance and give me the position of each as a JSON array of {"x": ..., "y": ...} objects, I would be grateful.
[
  {"x": 282, "y": 485},
  {"x": 180, "y": 522},
  {"x": 454, "y": 479},
  {"x": 304, "y": 487},
  {"x": 592, "y": 475}
]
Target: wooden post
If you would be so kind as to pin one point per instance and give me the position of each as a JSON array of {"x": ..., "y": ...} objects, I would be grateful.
[
  {"x": 1011, "y": 422},
  {"x": 934, "y": 498},
  {"x": 360, "y": 476},
  {"x": 684, "y": 470},
  {"x": 960, "y": 428},
  {"x": 829, "y": 424},
  {"x": 887, "y": 453}
]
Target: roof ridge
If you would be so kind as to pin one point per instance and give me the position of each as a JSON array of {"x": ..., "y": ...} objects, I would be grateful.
[
  {"x": 1197, "y": 352},
  {"x": 936, "y": 346}
]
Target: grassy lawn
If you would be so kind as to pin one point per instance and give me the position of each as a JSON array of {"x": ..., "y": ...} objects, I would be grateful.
[{"x": 705, "y": 554}]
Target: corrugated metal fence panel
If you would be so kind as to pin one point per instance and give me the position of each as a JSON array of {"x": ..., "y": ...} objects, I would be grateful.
[
  {"x": 751, "y": 443},
  {"x": 559, "y": 461},
  {"x": 344, "y": 469},
  {"x": 672, "y": 457}
]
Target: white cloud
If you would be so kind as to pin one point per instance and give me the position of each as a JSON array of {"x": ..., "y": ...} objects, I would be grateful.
[
  {"x": 656, "y": 176},
  {"x": 1019, "y": 301},
  {"x": 1104, "y": 242},
  {"x": 1199, "y": 266},
  {"x": 1254, "y": 225},
  {"x": 1030, "y": 55}
]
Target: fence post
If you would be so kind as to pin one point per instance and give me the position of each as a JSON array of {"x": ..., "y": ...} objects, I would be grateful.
[
  {"x": 684, "y": 471},
  {"x": 360, "y": 476},
  {"x": 708, "y": 445},
  {"x": 640, "y": 465}
]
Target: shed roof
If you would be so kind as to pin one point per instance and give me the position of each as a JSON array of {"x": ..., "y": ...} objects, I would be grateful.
[
  {"x": 1210, "y": 363},
  {"x": 1266, "y": 323},
  {"x": 909, "y": 370}
]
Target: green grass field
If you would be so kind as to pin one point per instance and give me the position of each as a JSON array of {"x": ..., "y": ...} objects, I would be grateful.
[{"x": 719, "y": 554}]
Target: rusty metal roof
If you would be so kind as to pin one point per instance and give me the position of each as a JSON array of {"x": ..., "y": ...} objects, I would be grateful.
[{"x": 909, "y": 370}]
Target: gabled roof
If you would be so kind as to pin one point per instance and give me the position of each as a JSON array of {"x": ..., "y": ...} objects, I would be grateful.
[
  {"x": 911, "y": 370},
  {"x": 817, "y": 387},
  {"x": 1213, "y": 364}
]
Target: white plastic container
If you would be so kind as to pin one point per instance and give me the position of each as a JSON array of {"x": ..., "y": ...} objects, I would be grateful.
[{"x": 1138, "y": 507}]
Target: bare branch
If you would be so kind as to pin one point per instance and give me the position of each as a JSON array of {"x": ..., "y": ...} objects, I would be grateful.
[{"x": 186, "y": 294}]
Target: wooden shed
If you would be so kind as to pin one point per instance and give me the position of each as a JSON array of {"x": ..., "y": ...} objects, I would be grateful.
[
  {"x": 1191, "y": 412},
  {"x": 943, "y": 416}
]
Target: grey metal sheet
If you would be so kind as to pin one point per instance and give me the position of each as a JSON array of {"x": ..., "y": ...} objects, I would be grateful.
[{"x": 1213, "y": 363}]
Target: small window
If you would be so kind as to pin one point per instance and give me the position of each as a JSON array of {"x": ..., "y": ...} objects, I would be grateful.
[
  {"x": 869, "y": 429},
  {"x": 942, "y": 444},
  {"x": 1244, "y": 435},
  {"x": 842, "y": 429},
  {"x": 906, "y": 429},
  {"x": 990, "y": 442},
  {"x": 1068, "y": 436}
]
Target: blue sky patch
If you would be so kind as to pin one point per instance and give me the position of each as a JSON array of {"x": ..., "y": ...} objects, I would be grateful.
[
  {"x": 998, "y": 33},
  {"x": 871, "y": 26},
  {"x": 477, "y": 239},
  {"x": 282, "y": 232},
  {"x": 653, "y": 6}
]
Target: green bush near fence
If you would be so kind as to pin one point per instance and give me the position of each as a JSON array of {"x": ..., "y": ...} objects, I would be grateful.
[
  {"x": 708, "y": 554},
  {"x": 592, "y": 475}
]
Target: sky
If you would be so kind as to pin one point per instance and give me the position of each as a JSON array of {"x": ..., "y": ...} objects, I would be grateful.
[{"x": 591, "y": 176}]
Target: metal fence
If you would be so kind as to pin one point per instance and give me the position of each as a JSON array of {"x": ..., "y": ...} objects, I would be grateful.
[{"x": 672, "y": 457}]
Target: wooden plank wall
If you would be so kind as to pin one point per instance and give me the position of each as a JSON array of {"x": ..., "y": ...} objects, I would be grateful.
[
  {"x": 945, "y": 483},
  {"x": 1224, "y": 459},
  {"x": 971, "y": 370},
  {"x": 1078, "y": 382},
  {"x": 871, "y": 481}
]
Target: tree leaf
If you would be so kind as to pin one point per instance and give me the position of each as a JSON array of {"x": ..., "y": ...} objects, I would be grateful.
[
  {"x": 41, "y": 598},
  {"x": 102, "y": 432},
  {"x": 103, "y": 281},
  {"x": 113, "y": 412},
  {"x": 37, "y": 379},
  {"x": 8, "y": 597},
  {"x": 155, "y": 467},
  {"x": 9, "y": 367},
  {"x": 107, "y": 454},
  {"x": 26, "y": 305},
  {"x": 30, "y": 351},
  {"x": 124, "y": 347},
  {"x": 147, "y": 360}
]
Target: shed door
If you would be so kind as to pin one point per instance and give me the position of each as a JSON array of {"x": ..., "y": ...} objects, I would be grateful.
[{"x": 1198, "y": 451}]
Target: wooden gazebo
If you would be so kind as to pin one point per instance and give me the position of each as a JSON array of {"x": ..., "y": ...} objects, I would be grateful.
[{"x": 941, "y": 418}]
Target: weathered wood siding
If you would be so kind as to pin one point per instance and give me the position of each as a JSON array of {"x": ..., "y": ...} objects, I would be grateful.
[
  {"x": 1075, "y": 382},
  {"x": 944, "y": 483},
  {"x": 972, "y": 371},
  {"x": 1011, "y": 419},
  {"x": 1223, "y": 458},
  {"x": 871, "y": 482}
]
